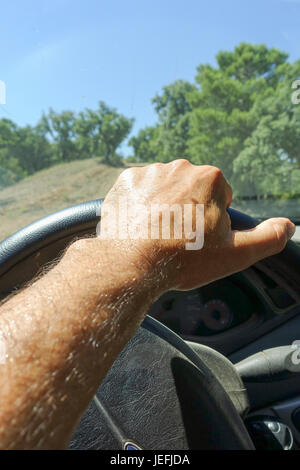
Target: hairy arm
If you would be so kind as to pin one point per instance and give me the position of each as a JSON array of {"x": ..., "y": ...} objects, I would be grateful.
[{"x": 59, "y": 336}]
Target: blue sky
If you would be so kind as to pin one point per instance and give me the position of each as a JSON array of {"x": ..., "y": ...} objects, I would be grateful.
[{"x": 69, "y": 54}]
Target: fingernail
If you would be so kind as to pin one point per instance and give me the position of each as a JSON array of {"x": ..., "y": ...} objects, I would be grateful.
[{"x": 290, "y": 228}]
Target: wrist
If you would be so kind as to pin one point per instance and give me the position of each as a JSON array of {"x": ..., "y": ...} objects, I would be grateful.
[{"x": 121, "y": 264}]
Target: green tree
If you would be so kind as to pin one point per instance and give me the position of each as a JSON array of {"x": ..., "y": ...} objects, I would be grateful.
[
  {"x": 146, "y": 144},
  {"x": 23, "y": 151},
  {"x": 10, "y": 170},
  {"x": 112, "y": 130},
  {"x": 86, "y": 130},
  {"x": 59, "y": 129},
  {"x": 270, "y": 160},
  {"x": 101, "y": 132},
  {"x": 174, "y": 112},
  {"x": 32, "y": 150},
  {"x": 224, "y": 107},
  {"x": 237, "y": 116}
]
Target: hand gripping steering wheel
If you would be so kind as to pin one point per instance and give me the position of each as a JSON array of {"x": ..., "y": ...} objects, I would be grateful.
[{"x": 160, "y": 393}]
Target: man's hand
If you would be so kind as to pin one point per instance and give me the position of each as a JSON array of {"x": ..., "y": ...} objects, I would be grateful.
[
  {"x": 181, "y": 183},
  {"x": 60, "y": 336}
]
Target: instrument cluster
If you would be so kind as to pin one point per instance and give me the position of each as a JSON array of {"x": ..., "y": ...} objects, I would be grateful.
[{"x": 209, "y": 310}]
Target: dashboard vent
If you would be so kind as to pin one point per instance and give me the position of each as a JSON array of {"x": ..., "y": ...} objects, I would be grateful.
[{"x": 278, "y": 294}]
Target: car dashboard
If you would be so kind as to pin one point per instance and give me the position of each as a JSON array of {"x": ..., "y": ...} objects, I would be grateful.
[{"x": 227, "y": 313}]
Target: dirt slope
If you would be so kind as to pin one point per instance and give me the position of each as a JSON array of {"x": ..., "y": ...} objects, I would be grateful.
[{"x": 53, "y": 189}]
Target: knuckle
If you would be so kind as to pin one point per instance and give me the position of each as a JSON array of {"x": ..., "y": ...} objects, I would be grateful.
[
  {"x": 215, "y": 171},
  {"x": 154, "y": 166},
  {"x": 125, "y": 172},
  {"x": 215, "y": 174},
  {"x": 129, "y": 172},
  {"x": 157, "y": 164},
  {"x": 281, "y": 237},
  {"x": 180, "y": 162}
]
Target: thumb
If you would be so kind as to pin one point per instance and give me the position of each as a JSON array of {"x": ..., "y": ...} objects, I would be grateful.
[{"x": 266, "y": 239}]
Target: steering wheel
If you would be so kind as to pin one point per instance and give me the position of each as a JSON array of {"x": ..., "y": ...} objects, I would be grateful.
[{"x": 161, "y": 392}]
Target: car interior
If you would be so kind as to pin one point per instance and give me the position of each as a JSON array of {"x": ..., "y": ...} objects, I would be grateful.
[
  {"x": 212, "y": 368},
  {"x": 90, "y": 89}
]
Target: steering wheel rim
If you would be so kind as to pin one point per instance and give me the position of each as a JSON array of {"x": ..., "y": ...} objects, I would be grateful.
[{"x": 82, "y": 217}]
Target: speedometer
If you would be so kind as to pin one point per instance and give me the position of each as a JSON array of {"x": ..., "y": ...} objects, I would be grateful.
[{"x": 216, "y": 315}]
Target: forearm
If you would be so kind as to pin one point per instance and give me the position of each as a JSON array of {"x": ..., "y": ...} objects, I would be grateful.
[{"x": 60, "y": 336}]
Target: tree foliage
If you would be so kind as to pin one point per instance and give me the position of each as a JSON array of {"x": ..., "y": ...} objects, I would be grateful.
[
  {"x": 60, "y": 137},
  {"x": 237, "y": 115}
]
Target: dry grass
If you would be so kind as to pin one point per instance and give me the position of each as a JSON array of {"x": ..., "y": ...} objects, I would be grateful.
[{"x": 50, "y": 190}]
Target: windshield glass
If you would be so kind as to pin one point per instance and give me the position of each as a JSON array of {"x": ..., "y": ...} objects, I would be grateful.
[{"x": 88, "y": 88}]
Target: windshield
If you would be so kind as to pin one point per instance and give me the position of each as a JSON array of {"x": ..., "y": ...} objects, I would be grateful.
[{"x": 88, "y": 88}]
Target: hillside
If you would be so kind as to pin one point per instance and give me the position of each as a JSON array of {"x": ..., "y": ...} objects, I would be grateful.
[{"x": 53, "y": 189}]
